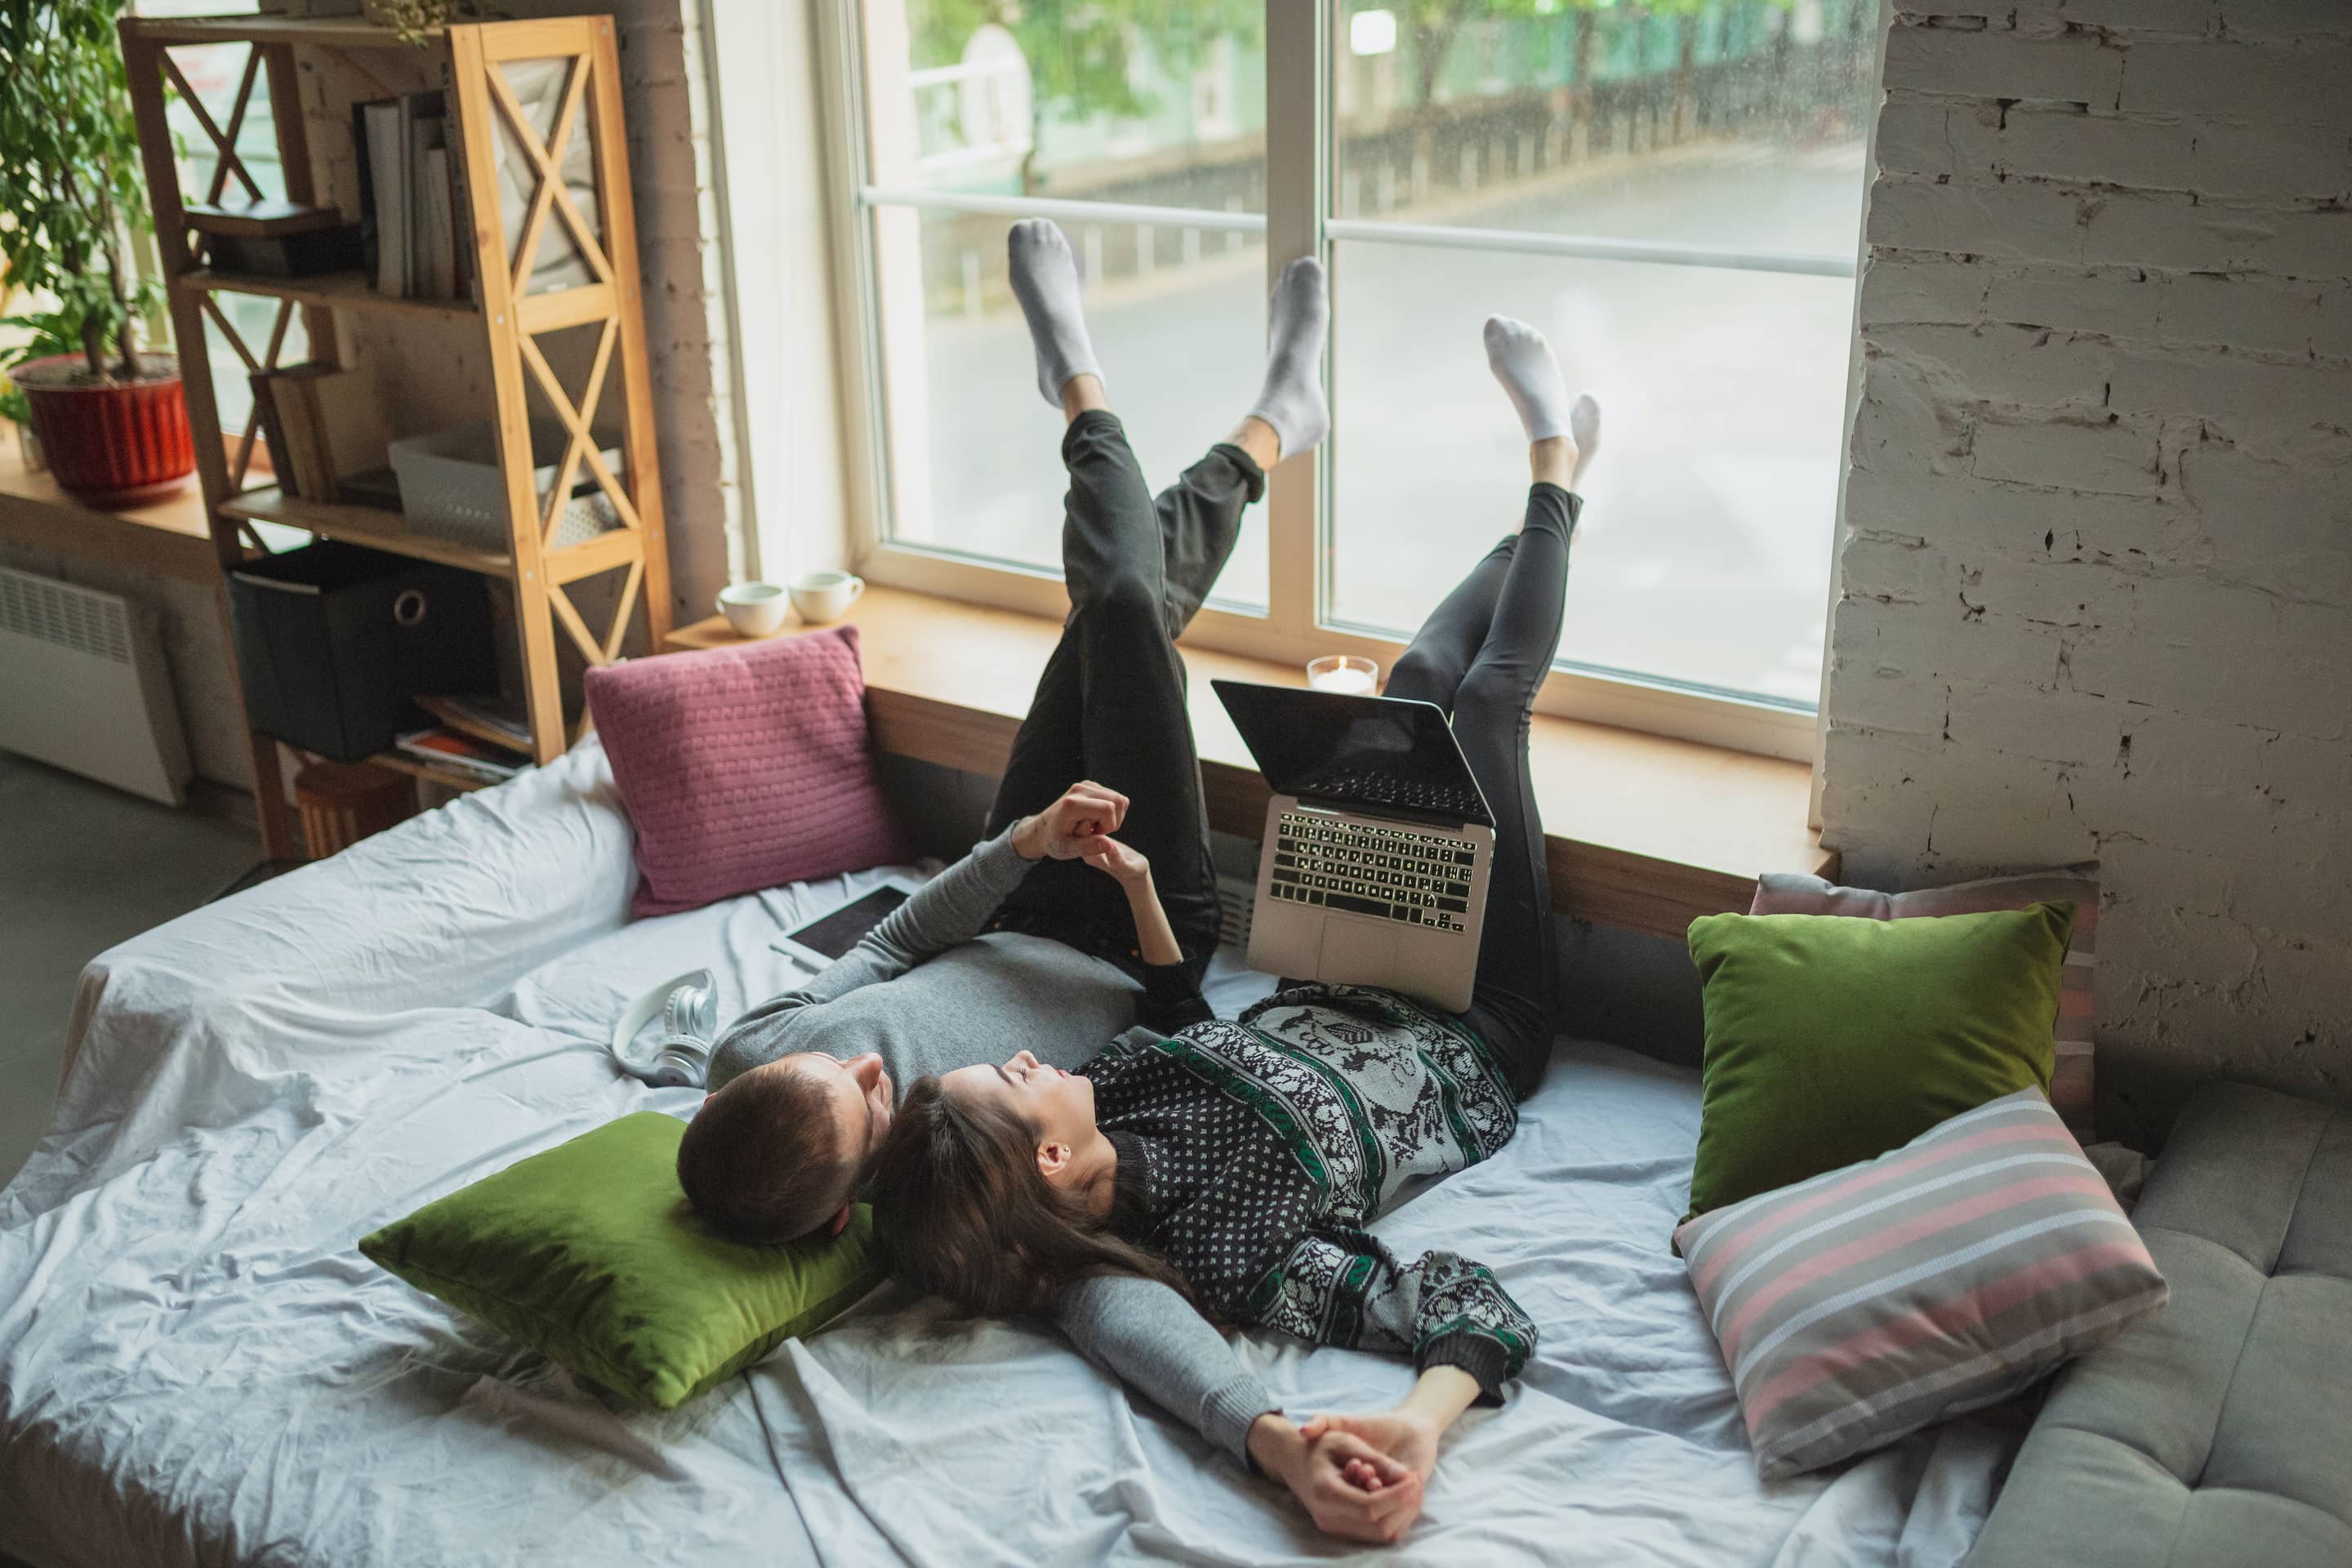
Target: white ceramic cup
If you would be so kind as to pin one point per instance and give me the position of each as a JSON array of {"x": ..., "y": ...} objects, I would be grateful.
[
  {"x": 823, "y": 597},
  {"x": 754, "y": 609}
]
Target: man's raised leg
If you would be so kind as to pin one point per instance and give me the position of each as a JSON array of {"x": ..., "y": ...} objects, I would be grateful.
[
  {"x": 1110, "y": 705},
  {"x": 1200, "y": 513}
]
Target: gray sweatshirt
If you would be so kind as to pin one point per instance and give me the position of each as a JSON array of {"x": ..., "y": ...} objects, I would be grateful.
[{"x": 930, "y": 992}]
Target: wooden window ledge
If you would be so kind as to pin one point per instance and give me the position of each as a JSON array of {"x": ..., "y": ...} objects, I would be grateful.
[
  {"x": 168, "y": 537},
  {"x": 1642, "y": 832}
]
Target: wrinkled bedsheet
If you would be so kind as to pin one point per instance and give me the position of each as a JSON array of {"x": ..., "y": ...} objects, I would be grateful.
[{"x": 196, "y": 1365}]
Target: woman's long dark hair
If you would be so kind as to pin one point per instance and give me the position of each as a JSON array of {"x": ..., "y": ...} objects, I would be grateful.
[{"x": 960, "y": 1210}]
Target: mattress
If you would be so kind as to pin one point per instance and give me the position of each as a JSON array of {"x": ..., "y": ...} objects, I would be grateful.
[{"x": 196, "y": 1365}]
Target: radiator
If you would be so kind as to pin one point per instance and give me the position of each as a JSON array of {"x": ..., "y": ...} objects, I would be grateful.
[{"x": 83, "y": 687}]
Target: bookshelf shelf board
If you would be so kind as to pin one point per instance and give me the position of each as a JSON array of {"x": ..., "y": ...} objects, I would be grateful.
[
  {"x": 334, "y": 32},
  {"x": 343, "y": 290},
  {"x": 417, "y": 767},
  {"x": 368, "y": 525}
]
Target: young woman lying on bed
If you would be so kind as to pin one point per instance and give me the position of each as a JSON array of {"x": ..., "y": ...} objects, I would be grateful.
[{"x": 1240, "y": 1162}]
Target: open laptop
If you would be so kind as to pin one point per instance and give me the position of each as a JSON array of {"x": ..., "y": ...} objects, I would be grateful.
[{"x": 1377, "y": 846}]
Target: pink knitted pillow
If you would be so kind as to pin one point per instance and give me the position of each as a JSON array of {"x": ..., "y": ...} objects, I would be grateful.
[{"x": 743, "y": 768}]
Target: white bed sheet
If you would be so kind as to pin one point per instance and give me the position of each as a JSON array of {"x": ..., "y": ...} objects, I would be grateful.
[{"x": 197, "y": 1367}]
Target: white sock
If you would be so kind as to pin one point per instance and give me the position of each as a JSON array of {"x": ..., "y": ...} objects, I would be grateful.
[
  {"x": 1584, "y": 425},
  {"x": 1523, "y": 362},
  {"x": 1045, "y": 282},
  {"x": 1292, "y": 399}
]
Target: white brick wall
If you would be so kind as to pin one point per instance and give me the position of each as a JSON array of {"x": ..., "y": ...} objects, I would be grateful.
[{"x": 2098, "y": 574}]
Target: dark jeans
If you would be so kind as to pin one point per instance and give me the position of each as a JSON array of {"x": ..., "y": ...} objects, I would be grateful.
[
  {"x": 1110, "y": 706},
  {"x": 1481, "y": 656}
]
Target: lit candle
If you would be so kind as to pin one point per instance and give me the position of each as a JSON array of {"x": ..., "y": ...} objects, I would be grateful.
[{"x": 1345, "y": 675}]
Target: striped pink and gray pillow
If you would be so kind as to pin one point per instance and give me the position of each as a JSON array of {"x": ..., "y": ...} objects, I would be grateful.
[
  {"x": 1945, "y": 1275},
  {"x": 2071, "y": 1089}
]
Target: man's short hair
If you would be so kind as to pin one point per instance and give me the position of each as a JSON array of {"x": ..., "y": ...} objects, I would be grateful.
[{"x": 762, "y": 1159}]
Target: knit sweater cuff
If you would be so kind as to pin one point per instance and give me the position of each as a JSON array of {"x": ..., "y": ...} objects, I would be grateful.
[
  {"x": 1483, "y": 1357},
  {"x": 1001, "y": 864},
  {"x": 1230, "y": 1409}
]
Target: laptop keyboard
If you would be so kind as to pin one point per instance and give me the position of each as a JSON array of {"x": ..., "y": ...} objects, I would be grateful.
[
  {"x": 1391, "y": 873},
  {"x": 1388, "y": 789}
]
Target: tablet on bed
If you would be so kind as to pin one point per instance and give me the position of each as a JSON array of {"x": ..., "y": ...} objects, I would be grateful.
[{"x": 841, "y": 928}]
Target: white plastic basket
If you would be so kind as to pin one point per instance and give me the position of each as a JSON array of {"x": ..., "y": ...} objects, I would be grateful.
[{"x": 450, "y": 485}]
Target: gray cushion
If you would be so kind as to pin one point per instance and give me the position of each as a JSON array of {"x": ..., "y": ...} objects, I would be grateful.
[{"x": 2218, "y": 1431}]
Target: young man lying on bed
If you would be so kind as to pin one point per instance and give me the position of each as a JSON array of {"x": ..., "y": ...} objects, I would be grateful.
[{"x": 1019, "y": 945}]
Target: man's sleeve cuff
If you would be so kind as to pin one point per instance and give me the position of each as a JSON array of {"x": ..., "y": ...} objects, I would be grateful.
[{"x": 998, "y": 862}]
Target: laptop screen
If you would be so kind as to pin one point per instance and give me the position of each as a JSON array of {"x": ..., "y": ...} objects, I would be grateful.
[{"x": 1377, "y": 752}]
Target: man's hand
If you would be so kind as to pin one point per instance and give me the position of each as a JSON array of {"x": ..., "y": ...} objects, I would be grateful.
[
  {"x": 1402, "y": 1435},
  {"x": 1126, "y": 867},
  {"x": 1086, "y": 811},
  {"x": 1350, "y": 1488}
]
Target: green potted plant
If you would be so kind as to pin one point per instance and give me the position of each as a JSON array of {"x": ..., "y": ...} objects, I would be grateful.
[{"x": 110, "y": 417}]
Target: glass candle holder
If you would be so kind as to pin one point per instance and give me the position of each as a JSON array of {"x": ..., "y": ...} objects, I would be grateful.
[{"x": 1344, "y": 674}]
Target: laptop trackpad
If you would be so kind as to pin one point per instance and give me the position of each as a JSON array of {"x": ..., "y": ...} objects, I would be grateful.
[{"x": 1357, "y": 950}]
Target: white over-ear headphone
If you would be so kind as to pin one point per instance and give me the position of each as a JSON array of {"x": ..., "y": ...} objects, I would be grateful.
[{"x": 687, "y": 1006}]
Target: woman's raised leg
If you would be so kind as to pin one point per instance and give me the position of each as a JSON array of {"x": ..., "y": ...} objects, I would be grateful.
[
  {"x": 1515, "y": 997},
  {"x": 1558, "y": 446}
]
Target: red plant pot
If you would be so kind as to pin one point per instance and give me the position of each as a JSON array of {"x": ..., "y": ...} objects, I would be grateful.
[{"x": 111, "y": 445}]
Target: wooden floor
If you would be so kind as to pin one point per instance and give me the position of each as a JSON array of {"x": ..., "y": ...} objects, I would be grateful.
[{"x": 1643, "y": 833}]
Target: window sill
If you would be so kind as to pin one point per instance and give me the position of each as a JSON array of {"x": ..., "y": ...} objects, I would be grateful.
[
  {"x": 1645, "y": 832},
  {"x": 168, "y": 537}
]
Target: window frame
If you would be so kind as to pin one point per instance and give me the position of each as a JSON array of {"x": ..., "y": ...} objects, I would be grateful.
[{"x": 1301, "y": 41}]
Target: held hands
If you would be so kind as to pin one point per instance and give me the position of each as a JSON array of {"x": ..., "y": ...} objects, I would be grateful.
[
  {"x": 1350, "y": 1488},
  {"x": 1063, "y": 830},
  {"x": 1402, "y": 1435},
  {"x": 1404, "y": 1438}
]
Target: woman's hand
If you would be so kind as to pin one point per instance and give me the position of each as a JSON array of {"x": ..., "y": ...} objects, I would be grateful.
[
  {"x": 1086, "y": 811},
  {"x": 1406, "y": 1436},
  {"x": 1349, "y": 1488},
  {"x": 1123, "y": 865}
]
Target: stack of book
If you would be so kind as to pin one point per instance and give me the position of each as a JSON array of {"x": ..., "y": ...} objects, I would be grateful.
[
  {"x": 492, "y": 717},
  {"x": 321, "y": 424},
  {"x": 462, "y": 754},
  {"x": 411, "y": 192}
]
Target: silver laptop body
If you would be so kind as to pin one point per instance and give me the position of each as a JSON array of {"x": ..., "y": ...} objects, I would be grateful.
[{"x": 1377, "y": 875}]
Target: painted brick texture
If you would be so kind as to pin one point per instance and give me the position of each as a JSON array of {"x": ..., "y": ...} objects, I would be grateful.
[{"x": 2096, "y": 579}]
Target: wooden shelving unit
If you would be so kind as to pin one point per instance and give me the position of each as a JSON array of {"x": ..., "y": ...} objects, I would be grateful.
[
  {"x": 471, "y": 61},
  {"x": 328, "y": 290}
]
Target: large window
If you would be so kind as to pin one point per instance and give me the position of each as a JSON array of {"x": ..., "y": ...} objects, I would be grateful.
[{"x": 1672, "y": 192}]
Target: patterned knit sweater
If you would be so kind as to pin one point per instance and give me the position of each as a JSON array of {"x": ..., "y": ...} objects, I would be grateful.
[{"x": 1252, "y": 1154}]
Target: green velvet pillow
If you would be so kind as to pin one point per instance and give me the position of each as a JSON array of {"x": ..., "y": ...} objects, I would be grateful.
[
  {"x": 1831, "y": 1039},
  {"x": 589, "y": 1254}
]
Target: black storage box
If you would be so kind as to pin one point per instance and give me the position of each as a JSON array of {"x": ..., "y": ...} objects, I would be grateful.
[
  {"x": 333, "y": 640},
  {"x": 304, "y": 255}
]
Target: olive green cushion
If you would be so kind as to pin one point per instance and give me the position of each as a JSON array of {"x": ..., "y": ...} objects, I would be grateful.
[
  {"x": 1831, "y": 1039},
  {"x": 589, "y": 1254}
]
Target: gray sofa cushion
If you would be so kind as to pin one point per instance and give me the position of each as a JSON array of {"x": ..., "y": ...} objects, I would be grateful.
[{"x": 2218, "y": 1431}]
